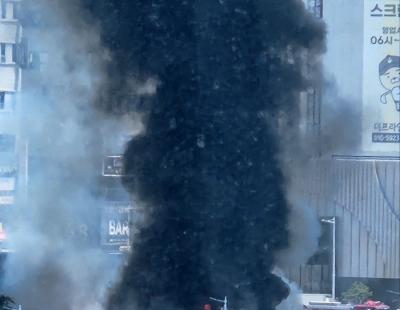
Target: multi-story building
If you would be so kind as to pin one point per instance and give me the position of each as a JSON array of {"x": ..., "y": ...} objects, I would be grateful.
[
  {"x": 357, "y": 184},
  {"x": 13, "y": 146},
  {"x": 22, "y": 26},
  {"x": 355, "y": 179}
]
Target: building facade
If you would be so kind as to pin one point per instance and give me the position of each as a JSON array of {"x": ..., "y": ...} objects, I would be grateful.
[
  {"x": 23, "y": 74},
  {"x": 13, "y": 146},
  {"x": 356, "y": 182},
  {"x": 356, "y": 179}
]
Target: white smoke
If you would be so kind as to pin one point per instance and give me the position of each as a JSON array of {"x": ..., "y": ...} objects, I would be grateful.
[
  {"x": 293, "y": 301},
  {"x": 57, "y": 262}
]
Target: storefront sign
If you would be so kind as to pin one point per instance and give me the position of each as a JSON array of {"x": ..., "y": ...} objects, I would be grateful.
[{"x": 116, "y": 225}]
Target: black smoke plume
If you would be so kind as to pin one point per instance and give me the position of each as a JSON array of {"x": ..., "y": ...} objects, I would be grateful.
[{"x": 207, "y": 166}]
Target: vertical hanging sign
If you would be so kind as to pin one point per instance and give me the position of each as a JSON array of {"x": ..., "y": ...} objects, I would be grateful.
[{"x": 381, "y": 77}]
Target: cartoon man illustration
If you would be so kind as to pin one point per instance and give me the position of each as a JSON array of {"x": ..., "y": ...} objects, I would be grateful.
[{"x": 389, "y": 74}]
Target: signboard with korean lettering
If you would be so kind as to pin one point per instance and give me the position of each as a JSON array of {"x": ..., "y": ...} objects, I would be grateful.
[{"x": 381, "y": 77}]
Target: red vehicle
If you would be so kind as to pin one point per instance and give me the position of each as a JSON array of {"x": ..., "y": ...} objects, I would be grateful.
[{"x": 372, "y": 305}]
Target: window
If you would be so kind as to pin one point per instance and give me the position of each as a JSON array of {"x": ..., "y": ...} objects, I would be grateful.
[
  {"x": 15, "y": 11},
  {"x": 3, "y": 9},
  {"x": 7, "y": 101},
  {"x": 2, "y": 52},
  {"x": 14, "y": 53},
  {"x": 7, "y": 143},
  {"x": 316, "y": 7},
  {"x": 320, "y": 5},
  {"x": 2, "y": 100}
]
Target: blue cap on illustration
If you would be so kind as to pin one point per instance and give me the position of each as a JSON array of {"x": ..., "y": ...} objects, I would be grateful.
[{"x": 388, "y": 62}]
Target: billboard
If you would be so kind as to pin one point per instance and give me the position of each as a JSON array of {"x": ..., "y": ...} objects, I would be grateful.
[
  {"x": 381, "y": 77},
  {"x": 115, "y": 223}
]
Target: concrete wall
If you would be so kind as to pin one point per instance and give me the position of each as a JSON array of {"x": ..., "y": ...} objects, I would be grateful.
[{"x": 365, "y": 198}]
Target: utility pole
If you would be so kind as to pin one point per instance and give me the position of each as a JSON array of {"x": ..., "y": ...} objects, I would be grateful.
[
  {"x": 224, "y": 301},
  {"x": 332, "y": 221}
]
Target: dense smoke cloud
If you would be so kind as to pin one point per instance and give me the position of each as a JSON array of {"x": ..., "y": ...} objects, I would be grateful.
[
  {"x": 57, "y": 263},
  {"x": 207, "y": 167},
  {"x": 217, "y": 85},
  {"x": 333, "y": 128}
]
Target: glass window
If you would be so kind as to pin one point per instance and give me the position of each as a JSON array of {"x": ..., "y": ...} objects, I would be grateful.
[
  {"x": 2, "y": 52},
  {"x": 316, "y": 7},
  {"x": 2, "y": 100},
  {"x": 15, "y": 12},
  {"x": 14, "y": 53},
  {"x": 7, "y": 101}
]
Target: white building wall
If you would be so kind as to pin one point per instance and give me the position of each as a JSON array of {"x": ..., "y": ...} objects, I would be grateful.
[
  {"x": 9, "y": 31},
  {"x": 8, "y": 78},
  {"x": 343, "y": 60},
  {"x": 362, "y": 194}
]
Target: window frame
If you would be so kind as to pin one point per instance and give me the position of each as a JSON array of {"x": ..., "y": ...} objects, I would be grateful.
[
  {"x": 2, "y": 100},
  {"x": 3, "y": 9},
  {"x": 3, "y": 53}
]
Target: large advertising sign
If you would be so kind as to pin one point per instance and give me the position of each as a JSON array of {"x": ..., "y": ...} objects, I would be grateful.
[{"x": 381, "y": 77}]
